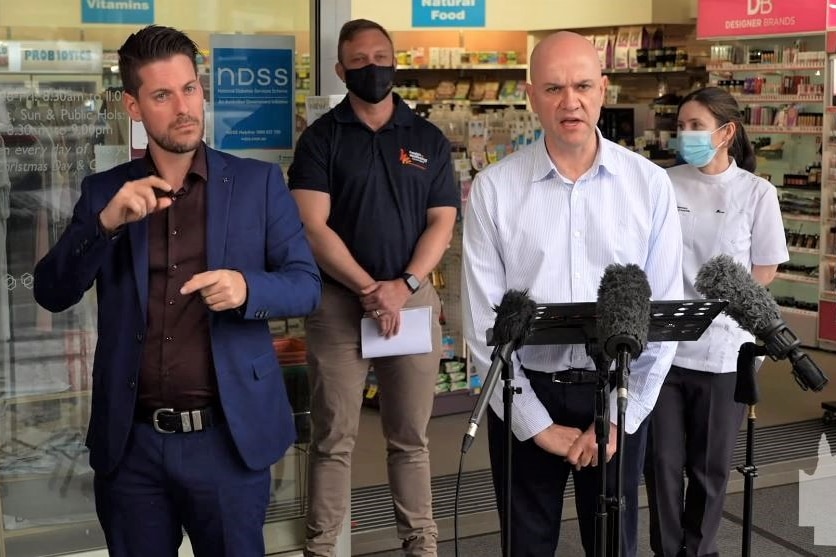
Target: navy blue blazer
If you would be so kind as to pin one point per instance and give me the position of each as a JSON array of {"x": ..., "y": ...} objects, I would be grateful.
[{"x": 253, "y": 226}]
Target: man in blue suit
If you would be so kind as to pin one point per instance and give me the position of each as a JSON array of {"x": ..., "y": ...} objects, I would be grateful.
[{"x": 191, "y": 251}]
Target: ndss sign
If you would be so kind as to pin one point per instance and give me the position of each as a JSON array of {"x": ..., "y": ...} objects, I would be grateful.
[{"x": 252, "y": 93}]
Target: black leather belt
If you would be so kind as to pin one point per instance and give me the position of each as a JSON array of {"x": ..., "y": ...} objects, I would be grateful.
[
  {"x": 168, "y": 420},
  {"x": 570, "y": 376}
]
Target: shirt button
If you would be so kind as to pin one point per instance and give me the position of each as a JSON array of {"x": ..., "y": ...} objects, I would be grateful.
[
  {"x": 139, "y": 337},
  {"x": 174, "y": 267},
  {"x": 171, "y": 302},
  {"x": 169, "y": 339},
  {"x": 174, "y": 232},
  {"x": 577, "y": 275},
  {"x": 577, "y": 233}
]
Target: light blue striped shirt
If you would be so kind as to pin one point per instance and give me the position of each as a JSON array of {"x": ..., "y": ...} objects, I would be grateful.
[{"x": 527, "y": 227}]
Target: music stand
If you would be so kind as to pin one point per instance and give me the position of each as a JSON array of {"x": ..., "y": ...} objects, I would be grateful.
[{"x": 677, "y": 320}]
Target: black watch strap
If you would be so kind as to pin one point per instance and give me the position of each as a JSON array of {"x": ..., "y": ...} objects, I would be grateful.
[{"x": 412, "y": 282}]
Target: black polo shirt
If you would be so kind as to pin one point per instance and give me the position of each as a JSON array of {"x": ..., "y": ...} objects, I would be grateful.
[{"x": 381, "y": 182}]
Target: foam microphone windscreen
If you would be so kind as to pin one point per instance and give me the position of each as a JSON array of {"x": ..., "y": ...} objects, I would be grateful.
[
  {"x": 750, "y": 303},
  {"x": 514, "y": 315},
  {"x": 623, "y": 309}
]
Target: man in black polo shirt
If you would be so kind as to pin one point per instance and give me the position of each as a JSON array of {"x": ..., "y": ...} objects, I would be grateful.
[{"x": 376, "y": 192}]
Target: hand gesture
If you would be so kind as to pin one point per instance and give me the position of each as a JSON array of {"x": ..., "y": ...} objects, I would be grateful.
[
  {"x": 221, "y": 290},
  {"x": 384, "y": 301},
  {"x": 584, "y": 451},
  {"x": 557, "y": 439},
  {"x": 134, "y": 201}
]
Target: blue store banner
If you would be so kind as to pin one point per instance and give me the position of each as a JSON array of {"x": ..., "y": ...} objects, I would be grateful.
[
  {"x": 448, "y": 13},
  {"x": 252, "y": 94},
  {"x": 117, "y": 11}
]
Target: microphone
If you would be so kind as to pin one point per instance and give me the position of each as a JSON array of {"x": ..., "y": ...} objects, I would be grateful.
[
  {"x": 514, "y": 315},
  {"x": 755, "y": 310},
  {"x": 623, "y": 310}
]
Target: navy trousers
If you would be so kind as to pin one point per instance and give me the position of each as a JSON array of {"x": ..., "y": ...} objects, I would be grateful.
[
  {"x": 539, "y": 478},
  {"x": 167, "y": 483}
]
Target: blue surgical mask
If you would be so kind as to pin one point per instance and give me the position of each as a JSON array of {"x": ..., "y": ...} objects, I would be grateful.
[{"x": 695, "y": 146}]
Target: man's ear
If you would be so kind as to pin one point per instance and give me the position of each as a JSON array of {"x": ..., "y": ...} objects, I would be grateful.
[{"x": 132, "y": 107}]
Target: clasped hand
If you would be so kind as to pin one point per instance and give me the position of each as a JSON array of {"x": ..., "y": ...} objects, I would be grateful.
[
  {"x": 579, "y": 448},
  {"x": 384, "y": 300}
]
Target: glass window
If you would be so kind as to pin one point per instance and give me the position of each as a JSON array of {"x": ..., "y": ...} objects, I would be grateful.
[{"x": 61, "y": 119}]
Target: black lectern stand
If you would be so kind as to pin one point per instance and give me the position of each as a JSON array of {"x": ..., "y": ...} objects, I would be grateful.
[{"x": 683, "y": 320}]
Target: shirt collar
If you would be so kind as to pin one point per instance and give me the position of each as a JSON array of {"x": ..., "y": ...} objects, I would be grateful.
[
  {"x": 198, "y": 167},
  {"x": 403, "y": 116},
  {"x": 605, "y": 158}
]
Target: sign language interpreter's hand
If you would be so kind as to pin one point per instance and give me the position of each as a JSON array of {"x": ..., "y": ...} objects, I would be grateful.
[
  {"x": 221, "y": 290},
  {"x": 134, "y": 201}
]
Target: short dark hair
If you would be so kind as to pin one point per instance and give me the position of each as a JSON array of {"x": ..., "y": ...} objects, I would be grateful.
[
  {"x": 151, "y": 44},
  {"x": 350, "y": 29},
  {"x": 725, "y": 109}
]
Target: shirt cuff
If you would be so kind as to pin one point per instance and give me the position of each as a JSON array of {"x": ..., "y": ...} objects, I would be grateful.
[
  {"x": 530, "y": 416},
  {"x": 109, "y": 235}
]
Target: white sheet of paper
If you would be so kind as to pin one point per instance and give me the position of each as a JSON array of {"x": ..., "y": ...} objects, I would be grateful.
[{"x": 414, "y": 337}]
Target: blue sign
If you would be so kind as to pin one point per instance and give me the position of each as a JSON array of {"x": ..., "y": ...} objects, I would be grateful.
[
  {"x": 117, "y": 11},
  {"x": 448, "y": 13},
  {"x": 253, "y": 92}
]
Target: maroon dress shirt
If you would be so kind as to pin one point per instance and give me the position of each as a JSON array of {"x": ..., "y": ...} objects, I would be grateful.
[{"x": 177, "y": 369}]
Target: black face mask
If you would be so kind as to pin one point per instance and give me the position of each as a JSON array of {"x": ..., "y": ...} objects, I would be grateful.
[{"x": 371, "y": 83}]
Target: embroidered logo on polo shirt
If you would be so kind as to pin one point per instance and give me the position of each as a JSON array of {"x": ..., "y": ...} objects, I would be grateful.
[{"x": 413, "y": 158}]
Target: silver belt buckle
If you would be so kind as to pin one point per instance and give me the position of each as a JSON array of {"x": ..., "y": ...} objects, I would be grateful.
[{"x": 155, "y": 420}]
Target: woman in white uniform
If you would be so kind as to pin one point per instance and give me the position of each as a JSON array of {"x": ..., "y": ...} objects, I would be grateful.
[{"x": 724, "y": 209}]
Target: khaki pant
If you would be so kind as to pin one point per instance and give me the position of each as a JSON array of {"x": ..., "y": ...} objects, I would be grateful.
[{"x": 407, "y": 385}]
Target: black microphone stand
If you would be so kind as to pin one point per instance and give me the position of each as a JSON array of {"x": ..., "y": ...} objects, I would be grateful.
[
  {"x": 508, "y": 392},
  {"x": 504, "y": 353},
  {"x": 622, "y": 373},
  {"x": 602, "y": 437},
  {"x": 610, "y": 509},
  {"x": 746, "y": 392}
]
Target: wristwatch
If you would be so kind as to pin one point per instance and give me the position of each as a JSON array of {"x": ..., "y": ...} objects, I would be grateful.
[{"x": 412, "y": 282}]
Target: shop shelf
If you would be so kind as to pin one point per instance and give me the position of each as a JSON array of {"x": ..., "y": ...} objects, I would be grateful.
[
  {"x": 671, "y": 69},
  {"x": 797, "y": 278},
  {"x": 767, "y": 99},
  {"x": 801, "y": 312},
  {"x": 795, "y": 130},
  {"x": 45, "y": 397},
  {"x": 465, "y": 102},
  {"x": 467, "y": 67},
  {"x": 763, "y": 68},
  {"x": 800, "y": 218},
  {"x": 810, "y": 251}
]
